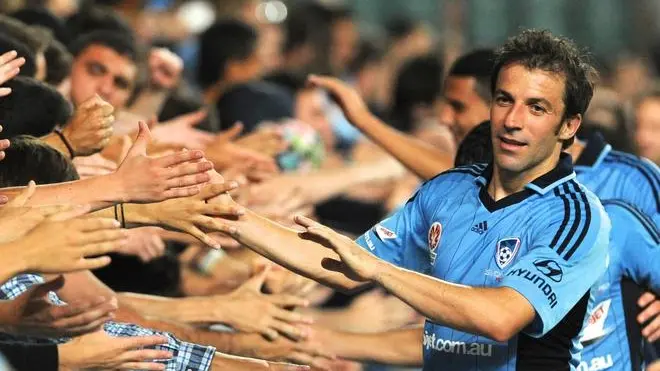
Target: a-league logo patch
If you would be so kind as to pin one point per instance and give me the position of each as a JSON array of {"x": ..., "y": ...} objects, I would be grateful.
[
  {"x": 435, "y": 232},
  {"x": 507, "y": 248}
]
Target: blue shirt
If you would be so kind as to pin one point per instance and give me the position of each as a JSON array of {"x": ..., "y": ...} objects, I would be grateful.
[
  {"x": 548, "y": 242},
  {"x": 635, "y": 255},
  {"x": 617, "y": 175}
]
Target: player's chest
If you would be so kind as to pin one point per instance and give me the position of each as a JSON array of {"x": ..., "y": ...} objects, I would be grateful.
[{"x": 470, "y": 245}]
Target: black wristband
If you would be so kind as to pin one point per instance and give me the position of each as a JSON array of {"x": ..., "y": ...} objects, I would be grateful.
[
  {"x": 65, "y": 141},
  {"x": 123, "y": 219}
]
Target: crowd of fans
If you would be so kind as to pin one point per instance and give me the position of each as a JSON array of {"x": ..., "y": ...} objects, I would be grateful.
[{"x": 132, "y": 141}]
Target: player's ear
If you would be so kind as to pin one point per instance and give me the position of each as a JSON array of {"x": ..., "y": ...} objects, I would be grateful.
[{"x": 569, "y": 127}]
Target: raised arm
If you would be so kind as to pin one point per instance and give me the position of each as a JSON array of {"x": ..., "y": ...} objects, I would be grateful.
[
  {"x": 138, "y": 179},
  {"x": 418, "y": 156}
]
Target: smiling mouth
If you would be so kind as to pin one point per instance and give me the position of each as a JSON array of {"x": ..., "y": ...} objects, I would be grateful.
[{"x": 511, "y": 142}]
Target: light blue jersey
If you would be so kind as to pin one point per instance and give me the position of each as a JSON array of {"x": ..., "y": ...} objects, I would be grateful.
[
  {"x": 614, "y": 175},
  {"x": 548, "y": 242},
  {"x": 611, "y": 339}
]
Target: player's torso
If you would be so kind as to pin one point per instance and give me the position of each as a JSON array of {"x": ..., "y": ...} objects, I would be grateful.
[{"x": 470, "y": 245}]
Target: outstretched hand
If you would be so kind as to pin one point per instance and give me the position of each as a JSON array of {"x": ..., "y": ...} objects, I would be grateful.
[
  {"x": 349, "y": 99},
  {"x": 144, "y": 179},
  {"x": 100, "y": 351},
  {"x": 355, "y": 262},
  {"x": 32, "y": 313},
  {"x": 267, "y": 314}
]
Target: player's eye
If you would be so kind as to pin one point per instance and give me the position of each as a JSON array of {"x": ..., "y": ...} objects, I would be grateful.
[
  {"x": 537, "y": 109},
  {"x": 502, "y": 100}
]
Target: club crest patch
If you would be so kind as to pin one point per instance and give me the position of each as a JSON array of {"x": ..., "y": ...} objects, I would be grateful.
[
  {"x": 507, "y": 248},
  {"x": 435, "y": 232}
]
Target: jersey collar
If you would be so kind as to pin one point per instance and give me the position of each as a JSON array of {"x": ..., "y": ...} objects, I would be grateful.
[
  {"x": 562, "y": 173},
  {"x": 594, "y": 153}
]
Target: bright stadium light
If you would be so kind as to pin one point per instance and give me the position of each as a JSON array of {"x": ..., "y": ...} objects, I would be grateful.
[{"x": 272, "y": 12}]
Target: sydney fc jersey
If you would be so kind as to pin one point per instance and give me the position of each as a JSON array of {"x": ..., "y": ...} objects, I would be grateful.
[
  {"x": 635, "y": 255},
  {"x": 547, "y": 242},
  {"x": 617, "y": 175}
]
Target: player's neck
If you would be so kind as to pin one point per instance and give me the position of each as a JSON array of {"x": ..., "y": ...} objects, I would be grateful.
[
  {"x": 576, "y": 149},
  {"x": 505, "y": 183}
]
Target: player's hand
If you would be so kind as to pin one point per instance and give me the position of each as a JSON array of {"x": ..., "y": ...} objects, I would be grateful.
[
  {"x": 90, "y": 128},
  {"x": 352, "y": 104},
  {"x": 145, "y": 243},
  {"x": 32, "y": 314},
  {"x": 165, "y": 68},
  {"x": 94, "y": 165},
  {"x": 355, "y": 262},
  {"x": 100, "y": 351},
  {"x": 650, "y": 316},
  {"x": 181, "y": 131},
  {"x": 267, "y": 314},
  {"x": 65, "y": 243},
  {"x": 10, "y": 66},
  {"x": 143, "y": 179}
]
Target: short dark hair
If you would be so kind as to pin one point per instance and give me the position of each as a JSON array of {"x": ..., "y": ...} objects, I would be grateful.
[
  {"x": 29, "y": 158},
  {"x": 419, "y": 82},
  {"x": 41, "y": 16},
  {"x": 479, "y": 65},
  {"x": 476, "y": 147},
  {"x": 32, "y": 108},
  {"x": 98, "y": 18},
  {"x": 224, "y": 41},
  {"x": 253, "y": 103},
  {"x": 121, "y": 43},
  {"x": 540, "y": 49},
  {"x": 291, "y": 81},
  {"x": 34, "y": 37},
  {"x": 58, "y": 63},
  {"x": 28, "y": 69}
]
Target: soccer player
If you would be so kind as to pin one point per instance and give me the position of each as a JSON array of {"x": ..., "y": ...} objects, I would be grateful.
[
  {"x": 611, "y": 338},
  {"x": 512, "y": 293}
]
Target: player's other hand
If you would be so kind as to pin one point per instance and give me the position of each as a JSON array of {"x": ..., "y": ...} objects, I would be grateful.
[{"x": 649, "y": 318}]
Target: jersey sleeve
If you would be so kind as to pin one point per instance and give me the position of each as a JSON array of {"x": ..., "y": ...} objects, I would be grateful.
[
  {"x": 560, "y": 267},
  {"x": 399, "y": 239},
  {"x": 638, "y": 242},
  {"x": 644, "y": 189}
]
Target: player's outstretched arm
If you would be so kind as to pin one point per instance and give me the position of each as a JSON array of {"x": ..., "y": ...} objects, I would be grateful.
[
  {"x": 420, "y": 157},
  {"x": 294, "y": 250},
  {"x": 497, "y": 313}
]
